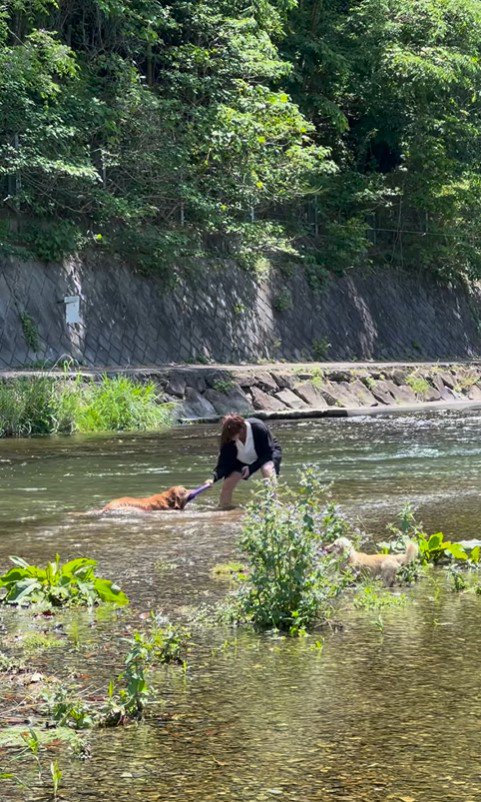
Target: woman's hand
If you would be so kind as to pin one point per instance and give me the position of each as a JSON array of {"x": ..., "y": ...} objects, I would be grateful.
[
  {"x": 245, "y": 472},
  {"x": 209, "y": 482}
]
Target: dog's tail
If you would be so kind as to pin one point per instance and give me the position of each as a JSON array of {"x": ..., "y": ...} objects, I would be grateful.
[{"x": 412, "y": 551}]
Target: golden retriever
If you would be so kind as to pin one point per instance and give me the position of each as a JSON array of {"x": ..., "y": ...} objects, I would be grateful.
[
  {"x": 175, "y": 498},
  {"x": 384, "y": 566}
]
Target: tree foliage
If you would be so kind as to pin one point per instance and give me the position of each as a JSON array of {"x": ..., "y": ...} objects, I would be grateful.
[{"x": 355, "y": 122}]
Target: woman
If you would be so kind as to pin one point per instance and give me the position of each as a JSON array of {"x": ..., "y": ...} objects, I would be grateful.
[{"x": 246, "y": 446}]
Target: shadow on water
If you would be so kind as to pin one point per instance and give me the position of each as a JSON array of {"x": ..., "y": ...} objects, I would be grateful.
[{"x": 391, "y": 715}]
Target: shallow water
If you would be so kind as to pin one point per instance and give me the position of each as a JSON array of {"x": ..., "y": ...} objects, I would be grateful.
[{"x": 378, "y": 715}]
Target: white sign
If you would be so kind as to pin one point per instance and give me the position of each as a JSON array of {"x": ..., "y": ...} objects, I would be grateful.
[{"x": 72, "y": 308}]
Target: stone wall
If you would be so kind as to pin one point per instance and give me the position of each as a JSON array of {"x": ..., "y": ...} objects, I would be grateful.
[{"x": 222, "y": 314}]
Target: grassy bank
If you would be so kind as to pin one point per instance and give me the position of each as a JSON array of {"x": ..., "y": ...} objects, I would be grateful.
[{"x": 43, "y": 405}]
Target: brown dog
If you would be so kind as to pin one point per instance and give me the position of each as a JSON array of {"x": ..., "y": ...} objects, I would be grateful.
[
  {"x": 384, "y": 566},
  {"x": 175, "y": 498}
]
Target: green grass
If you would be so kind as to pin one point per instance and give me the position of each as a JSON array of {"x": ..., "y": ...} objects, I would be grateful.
[
  {"x": 418, "y": 384},
  {"x": 43, "y": 405}
]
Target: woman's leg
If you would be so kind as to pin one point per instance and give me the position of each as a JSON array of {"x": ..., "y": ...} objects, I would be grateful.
[{"x": 230, "y": 482}]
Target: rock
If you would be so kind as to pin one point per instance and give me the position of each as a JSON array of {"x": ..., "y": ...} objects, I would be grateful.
[
  {"x": 363, "y": 396},
  {"x": 266, "y": 382},
  {"x": 474, "y": 393},
  {"x": 261, "y": 400},
  {"x": 311, "y": 394},
  {"x": 245, "y": 380},
  {"x": 399, "y": 376},
  {"x": 285, "y": 381},
  {"x": 431, "y": 395},
  {"x": 191, "y": 378},
  {"x": 338, "y": 396},
  {"x": 214, "y": 377},
  {"x": 196, "y": 406},
  {"x": 382, "y": 391},
  {"x": 338, "y": 376},
  {"x": 449, "y": 395},
  {"x": 234, "y": 400},
  {"x": 437, "y": 382},
  {"x": 403, "y": 394},
  {"x": 176, "y": 385},
  {"x": 448, "y": 379},
  {"x": 291, "y": 400}
]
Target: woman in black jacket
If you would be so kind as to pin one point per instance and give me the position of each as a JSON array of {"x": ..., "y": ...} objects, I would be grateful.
[{"x": 246, "y": 446}]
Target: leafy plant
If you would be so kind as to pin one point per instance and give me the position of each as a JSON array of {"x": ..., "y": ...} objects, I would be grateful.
[
  {"x": 288, "y": 585},
  {"x": 73, "y": 583}
]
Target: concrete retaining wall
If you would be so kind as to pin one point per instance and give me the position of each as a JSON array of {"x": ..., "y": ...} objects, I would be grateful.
[{"x": 223, "y": 314}]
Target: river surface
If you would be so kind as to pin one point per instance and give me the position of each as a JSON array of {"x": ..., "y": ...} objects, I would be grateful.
[{"x": 379, "y": 714}]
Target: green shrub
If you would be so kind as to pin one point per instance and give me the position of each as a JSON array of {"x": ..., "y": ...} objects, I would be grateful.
[
  {"x": 73, "y": 583},
  {"x": 289, "y": 585},
  {"x": 53, "y": 241}
]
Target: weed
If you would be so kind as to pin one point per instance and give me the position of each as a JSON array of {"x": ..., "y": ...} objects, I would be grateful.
[
  {"x": 223, "y": 385},
  {"x": 283, "y": 301},
  {"x": 419, "y": 385},
  {"x": 457, "y": 578},
  {"x": 373, "y": 596},
  {"x": 229, "y": 571},
  {"x": 30, "y": 331},
  {"x": 320, "y": 348}
]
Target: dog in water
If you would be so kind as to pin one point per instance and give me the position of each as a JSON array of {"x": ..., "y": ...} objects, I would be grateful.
[
  {"x": 175, "y": 498},
  {"x": 384, "y": 566}
]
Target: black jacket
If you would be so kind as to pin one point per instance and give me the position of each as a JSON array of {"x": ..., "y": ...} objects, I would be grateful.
[{"x": 267, "y": 449}]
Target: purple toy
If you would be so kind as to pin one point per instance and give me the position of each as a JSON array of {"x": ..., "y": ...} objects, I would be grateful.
[{"x": 198, "y": 490}]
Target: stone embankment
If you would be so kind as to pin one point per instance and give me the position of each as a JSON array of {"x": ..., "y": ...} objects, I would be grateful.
[
  {"x": 287, "y": 390},
  {"x": 283, "y": 391}
]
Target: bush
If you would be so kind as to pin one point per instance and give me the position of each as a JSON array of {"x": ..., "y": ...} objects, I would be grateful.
[{"x": 289, "y": 585}]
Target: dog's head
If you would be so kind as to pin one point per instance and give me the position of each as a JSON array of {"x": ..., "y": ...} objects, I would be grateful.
[
  {"x": 340, "y": 546},
  {"x": 177, "y": 497}
]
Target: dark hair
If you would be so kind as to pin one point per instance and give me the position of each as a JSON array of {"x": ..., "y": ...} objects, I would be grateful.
[{"x": 232, "y": 425}]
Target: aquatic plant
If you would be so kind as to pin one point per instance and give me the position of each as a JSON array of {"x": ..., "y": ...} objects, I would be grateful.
[
  {"x": 32, "y": 744},
  {"x": 67, "y": 712},
  {"x": 127, "y": 697},
  {"x": 372, "y": 595},
  {"x": 289, "y": 586},
  {"x": 73, "y": 583},
  {"x": 44, "y": 405},
  {"x": 432, "y": 548}
]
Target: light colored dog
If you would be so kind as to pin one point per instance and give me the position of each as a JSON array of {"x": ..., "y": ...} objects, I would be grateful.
[{"x": 384, "y": 566}]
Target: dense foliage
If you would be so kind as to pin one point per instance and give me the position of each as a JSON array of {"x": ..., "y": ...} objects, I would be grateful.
[
  {"x": 348, "y": 130},
  {"x": 43, "y": 405}
]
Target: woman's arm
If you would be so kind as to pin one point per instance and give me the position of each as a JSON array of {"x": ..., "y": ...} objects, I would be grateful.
[{"x": 227, "y": 461}]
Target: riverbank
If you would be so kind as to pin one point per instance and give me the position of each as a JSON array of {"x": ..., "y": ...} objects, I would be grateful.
[{"x": 290, "y": 390}]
